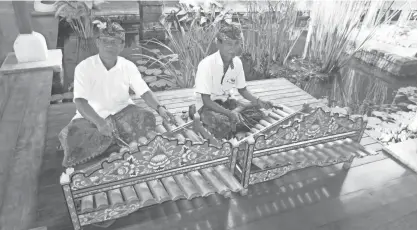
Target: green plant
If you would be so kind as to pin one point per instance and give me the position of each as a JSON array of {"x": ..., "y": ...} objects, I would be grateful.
[
  {"x": 189, "y": 42},
  {"x": 78, "y": 15},
  {"x": 269, "y": 34},
  {"x": 333, "y": 40}
]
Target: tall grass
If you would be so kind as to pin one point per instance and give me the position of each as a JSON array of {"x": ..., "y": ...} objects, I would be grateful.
[
  {"x": 333, "y": 39},
  {"x": 268, "y": 34},
  {"x": 78, "y": 15},
  {"x": 191, "y": 41}
]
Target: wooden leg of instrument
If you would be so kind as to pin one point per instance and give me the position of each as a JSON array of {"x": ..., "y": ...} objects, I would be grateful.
[
  {"x": 71, "y": 207},
  {"x": 347, "y": 164}
]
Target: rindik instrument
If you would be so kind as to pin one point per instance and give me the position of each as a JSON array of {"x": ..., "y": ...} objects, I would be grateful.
[
  {"x": 175, "y": 162},
  {"x": 185, "y": 161},
  {"x": 296, "y": 140}
]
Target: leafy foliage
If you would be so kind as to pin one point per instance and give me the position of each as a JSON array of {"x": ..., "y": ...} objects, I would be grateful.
[
  {"x": 190, "y": 33},
  {"x": 268, "y": 35},
  {"x": 79, "y": 16}
]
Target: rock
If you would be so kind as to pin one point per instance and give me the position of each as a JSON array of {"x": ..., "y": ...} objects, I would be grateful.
[
  {"x": 149, "y": 79},
  {"x": 142, "y": 68},
  {"x": 413, "y": 126},
  {"x": 373, "y": 121}
]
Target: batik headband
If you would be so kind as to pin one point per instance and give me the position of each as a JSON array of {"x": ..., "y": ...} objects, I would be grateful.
[
  {"x": 229, "y": 32},
  {"x": 108, "y": 28}
]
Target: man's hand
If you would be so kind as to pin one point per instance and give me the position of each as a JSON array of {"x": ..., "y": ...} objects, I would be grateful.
[
  {"x": 165, "y": 114},
  {"x": 106, "y": 128},
  {"x": 235, "y": 117},
  {"x": 265, "y": 104}
]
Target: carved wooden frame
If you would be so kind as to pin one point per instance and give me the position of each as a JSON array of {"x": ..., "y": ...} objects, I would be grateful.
[
  {"x": 129, "y": 168},
  {"x": 296, "y": 131}
]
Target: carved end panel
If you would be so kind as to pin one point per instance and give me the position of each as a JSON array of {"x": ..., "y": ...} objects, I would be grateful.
[
  {"x": 312, "y": 126},
  {"x": 158, "y": 155}
]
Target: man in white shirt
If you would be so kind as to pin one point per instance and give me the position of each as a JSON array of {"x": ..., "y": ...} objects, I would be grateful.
[
  {"x": 105, "y": 110},
  {"x": 218, "y": 75}
]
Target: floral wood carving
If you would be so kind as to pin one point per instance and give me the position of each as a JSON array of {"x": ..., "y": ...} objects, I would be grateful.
[
  {"x": 314, "y": 125},
  {"x": 275, "y": 173},
  {"x": 158, "y": 155},
  {"x": 108, "y": 214}
]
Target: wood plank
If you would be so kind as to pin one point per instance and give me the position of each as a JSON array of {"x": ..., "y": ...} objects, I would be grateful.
[
  {"x": 289, "y": 100},
  {"x": 405, "y": 152},
  {"x": 266, "y": 91},
  {"x": 270, "y": 96},
  {"x": 351, "y": 201},
  {"x": 189, "y": 91},
  {"x": 406, "y": 222},
  {"x": 9, "y": 129},
  {"x": 6, "y": 83},
  {"x": 18, "y": 207},
  {"x": 377, "y": 217}
]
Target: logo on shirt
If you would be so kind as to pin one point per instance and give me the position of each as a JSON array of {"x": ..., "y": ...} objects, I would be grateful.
[{"x": 231, "y": 80}]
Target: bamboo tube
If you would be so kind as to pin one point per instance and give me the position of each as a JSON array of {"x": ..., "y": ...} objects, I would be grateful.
[
  {"x": 144, "y": 194},
  {"x": 265, "y": 123},
  {"x": 279, "y": 159},
  {"x": 221, "y": 188},
  {"x": 275, "y": 116},
  {"x": 101, "y": 200},
  {"x": 200, "y": 183},
  {"x": 319, "y": 154},
  {"x": 173, "y": 189},
  {"x": 260, "y": 163},
  {"x": 271, "y": 161},
  {"x": 115, "y": 197},
  {"x": 280, "y": 112},
  {"x": 287, "y": 109},
  {"x": 129, "y": 194},
  {"x": 186, "y": 186},
  {"x": 158, "y": 190},
  {"x": 228, "y": 178},
  {"x": 87, "y": 204},
  {"x": 270, "y": 120}
]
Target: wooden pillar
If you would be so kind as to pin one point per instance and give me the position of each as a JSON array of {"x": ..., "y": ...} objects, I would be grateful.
[{"x": 23, "y": 17}]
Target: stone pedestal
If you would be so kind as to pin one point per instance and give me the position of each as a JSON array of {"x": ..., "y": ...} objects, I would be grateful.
[
  {"x": 30, "y": 48},
  {"x": 29, "y": 45}
]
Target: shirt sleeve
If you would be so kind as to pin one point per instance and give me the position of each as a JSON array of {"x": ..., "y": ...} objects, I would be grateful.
[
  {"x": 136, "y": 82},
  {"x": 81, "y": 83},
  {"x": 241, "y": 75},
  {"x": 203, "y": 81}
]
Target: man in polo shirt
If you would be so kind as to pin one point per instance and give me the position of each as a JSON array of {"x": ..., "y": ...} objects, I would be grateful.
[
  {"x": 216, "y": 78},
  {"x": 105, "y": 111}
]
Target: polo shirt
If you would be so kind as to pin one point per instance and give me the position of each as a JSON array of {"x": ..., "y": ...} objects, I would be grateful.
[
  {"x": 209, "y": 80},
  {"x": 107, "y": 91}
]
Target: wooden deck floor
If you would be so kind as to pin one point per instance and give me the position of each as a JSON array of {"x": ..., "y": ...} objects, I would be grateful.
[{"x": 377, "y": 193}]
